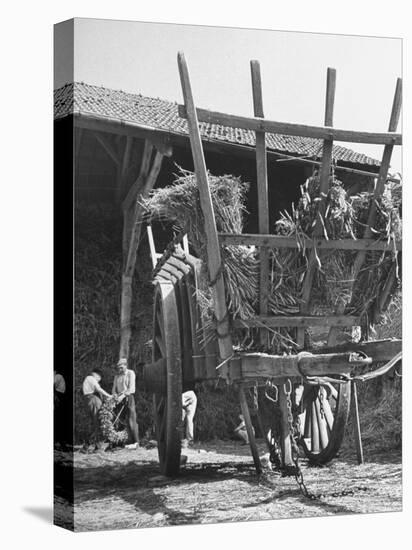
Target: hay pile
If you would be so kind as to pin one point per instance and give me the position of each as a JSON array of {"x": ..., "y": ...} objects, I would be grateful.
[{"x": 342, "y": 217}]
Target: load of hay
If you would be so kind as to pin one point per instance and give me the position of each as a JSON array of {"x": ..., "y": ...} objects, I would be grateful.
[{"x": 342, "y": 217}]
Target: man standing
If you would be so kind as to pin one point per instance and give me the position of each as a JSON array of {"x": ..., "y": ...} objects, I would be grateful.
[
  {"x": 189, "y": 404},
  {"x": 124, "y": 386},
  {"x": 93, "y": 394}
]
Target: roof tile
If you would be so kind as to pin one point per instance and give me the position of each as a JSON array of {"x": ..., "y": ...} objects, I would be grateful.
[{"x": 84, "y": 98}]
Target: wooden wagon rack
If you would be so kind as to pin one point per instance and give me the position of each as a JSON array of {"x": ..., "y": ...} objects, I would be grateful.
[{"x": 181, "y": 353}]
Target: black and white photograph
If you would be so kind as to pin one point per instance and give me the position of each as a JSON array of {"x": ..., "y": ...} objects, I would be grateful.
[{"x": 233, "y": 202}]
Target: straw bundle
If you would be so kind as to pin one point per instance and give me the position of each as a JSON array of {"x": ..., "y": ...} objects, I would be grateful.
[{"x": 340, "y": 217}]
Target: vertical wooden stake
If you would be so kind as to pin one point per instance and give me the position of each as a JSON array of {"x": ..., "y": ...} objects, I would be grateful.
[
  {"x": 214, "y": 258},
  {"x": 262, "y": 193},
  {"x": 249, "y": 429},
  {"x": 285, "y": 443},
  {"x": 356, "y": 423}
]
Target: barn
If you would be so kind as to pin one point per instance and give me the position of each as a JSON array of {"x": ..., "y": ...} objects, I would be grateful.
[{"x": 112, "y": 146}]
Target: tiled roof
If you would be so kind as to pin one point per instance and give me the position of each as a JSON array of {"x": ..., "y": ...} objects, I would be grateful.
[{"x": 163, "y": 115}]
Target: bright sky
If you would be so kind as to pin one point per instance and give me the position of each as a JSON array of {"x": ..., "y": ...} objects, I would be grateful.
[{"x": 141, "y": 57}]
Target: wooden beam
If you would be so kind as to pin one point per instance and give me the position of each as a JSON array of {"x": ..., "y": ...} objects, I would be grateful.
[
  {"x": 136, "y": 231},
  {"x": 261, "y": 365},
  {"x": 279, "y": 241},
  {"x": 107, "y": 146},
  {"x": 297, "y": 321},
  {"x": 115, "y": 126},
  {"x": 131, "y": 256},
  {"x": 137, "y": 185},
  {"x": 290, "y": 129},
  {"x": 213, "y": 249},
  {"x": 262, "y": 193},
  {"x": 380, "y": 351}
]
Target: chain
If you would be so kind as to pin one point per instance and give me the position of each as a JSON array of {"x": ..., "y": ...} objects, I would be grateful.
[
  {"x": 321, "y": 396},
  {"x": 294, "y": 434}
]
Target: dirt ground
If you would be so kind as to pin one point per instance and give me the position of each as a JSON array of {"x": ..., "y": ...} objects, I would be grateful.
[{"x": 123, "y": 489}]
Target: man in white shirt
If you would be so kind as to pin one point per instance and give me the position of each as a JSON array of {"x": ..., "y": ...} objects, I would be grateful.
[
  {"x": 93, "y": 394},
  {"x": 124, "y": 386}
]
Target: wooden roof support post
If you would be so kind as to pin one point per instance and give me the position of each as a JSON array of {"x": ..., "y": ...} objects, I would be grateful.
[
  {"x": 147, "y": 184},
  {"x": 123, "y": 168},
  {"x": 262, "y": 192},
  {"x": 324, "y": 187},
  {"x": 379, "y": 189},
  {"x": 213, "y": 249},
  {"x": 107, "y": 146}
]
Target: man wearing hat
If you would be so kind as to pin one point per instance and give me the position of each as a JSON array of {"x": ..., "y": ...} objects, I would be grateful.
[
  {"x": 124, "y": 386},
  {"x": 93, "y": 395}
]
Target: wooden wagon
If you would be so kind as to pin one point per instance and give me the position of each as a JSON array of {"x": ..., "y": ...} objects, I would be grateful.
[{"x": 318, "y": 386}]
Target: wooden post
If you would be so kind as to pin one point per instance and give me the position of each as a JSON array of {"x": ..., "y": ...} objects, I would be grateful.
[
  {"x": 107, "y": 146},
  {"x": 249, "y": 429},
  {"x": 324, "y": 186},
  {"x": 214, "y": 259},
  {"x": 356, "y": 423},
  {"x": 262, "y": 192},
  {"x": 123, "y": 168},
  {"x": 134, "y": 219},
  {"x": 285, "y": 443}
]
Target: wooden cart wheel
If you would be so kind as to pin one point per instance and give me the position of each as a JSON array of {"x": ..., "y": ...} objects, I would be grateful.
[
  {"x": 168, "y": 404},
  {"x": 323, "y": 420}
]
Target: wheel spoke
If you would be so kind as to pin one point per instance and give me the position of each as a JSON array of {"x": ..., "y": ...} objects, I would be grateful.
[
  {"x": 314, "y": 429},
  {"x": 328, "y": 414},
  {"x": 323, "y": 433},
  {"x": 308, "y": 419}
]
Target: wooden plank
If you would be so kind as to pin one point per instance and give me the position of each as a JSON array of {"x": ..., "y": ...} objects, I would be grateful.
[
  {"x": 249, "y": 428},
  {"x": 378, "y": 350},
  {"x": 291, "y": 129},
  {"x": 297, "y": 321},
  {"x": 107, "y": 146},
  {"x": 213, "y": 249},
  {"x": 380, "y": 186},
  {"x": 324, "y": 175},
  {"x": 255, "y": 365},
  {"x": 279, "y": 241},
  {"x": 262, "y": 193}
]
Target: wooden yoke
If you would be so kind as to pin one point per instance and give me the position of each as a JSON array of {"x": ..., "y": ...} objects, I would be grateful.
[
  {"x": 262, "y": 193},
  {"x": 379, "y": 189},
  {"x": 214, "y": 260},
  {"x": 324, "y": 187}
]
